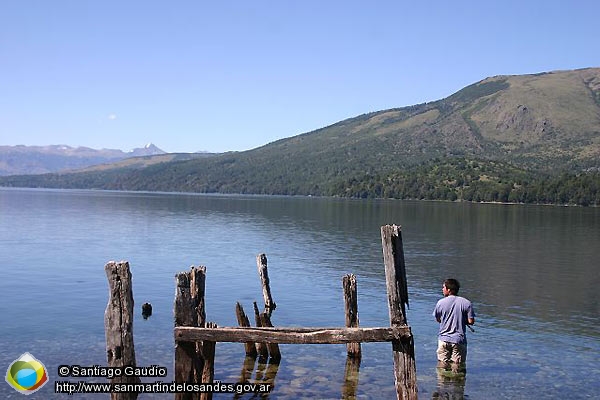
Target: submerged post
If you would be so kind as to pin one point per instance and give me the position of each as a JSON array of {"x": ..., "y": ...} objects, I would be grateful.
[
  {"x": 395, "y": 276},
  {"x": 118, "y": 324},
  {"x": 351, "y": 308},
  {"x": 272, "y": 348},
  {"x": 189, "y": 311},
  {"x": 207, "y": 351},
  {"x": 243, "y": 320},
  {"x": 261, "y": 347}
]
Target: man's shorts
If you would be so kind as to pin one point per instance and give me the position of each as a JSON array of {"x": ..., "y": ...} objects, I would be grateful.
[{"x": 451, "y": 352}]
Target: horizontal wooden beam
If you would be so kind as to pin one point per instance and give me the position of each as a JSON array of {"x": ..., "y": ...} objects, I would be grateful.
[{"x": 293, "y": 335}]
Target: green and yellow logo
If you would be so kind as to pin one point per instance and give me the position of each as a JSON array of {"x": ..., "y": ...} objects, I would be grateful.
[{"x": 26, "y": 374}]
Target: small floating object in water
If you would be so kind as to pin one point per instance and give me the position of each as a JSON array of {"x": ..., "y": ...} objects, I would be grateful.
[{"x": 146, "y": 310}]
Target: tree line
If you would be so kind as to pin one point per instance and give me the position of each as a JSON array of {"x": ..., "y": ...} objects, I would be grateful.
[{"x": 450, "y": 179}]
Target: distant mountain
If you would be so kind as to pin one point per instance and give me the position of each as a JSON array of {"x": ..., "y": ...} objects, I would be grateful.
[
  {"x": 19, "y": 160},
  {"x": 526, "y": 138},
  {"x": 148, "y": 150}
]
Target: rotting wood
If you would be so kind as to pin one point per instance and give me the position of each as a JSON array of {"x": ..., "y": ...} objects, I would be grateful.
[
  {"x": 273, "y": 348},
  {"x": 198, "y": 290},
  {"x": 189, "y": 362},
  {"x": 395, "y": 273},
  {"x": 405, "y": 372},
  {"x": 351, "y": 309},
  {"x": 261, "y": 347},
  {"x": 205, "y": 351},
  {"x": 118, "y": 324},
  {"x": 399, "y": 333},
  {"x": 208, "y": 354},
  {"x": 261, "y": 262},
  {"x": 294, "y": 335},
  {"x": 243, "y": 321}
]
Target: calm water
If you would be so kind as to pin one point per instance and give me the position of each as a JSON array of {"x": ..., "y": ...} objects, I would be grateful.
[{"x": 531, "y": 272}]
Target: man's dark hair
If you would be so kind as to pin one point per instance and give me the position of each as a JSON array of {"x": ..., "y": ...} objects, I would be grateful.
[{"x": 452, "y": 285}]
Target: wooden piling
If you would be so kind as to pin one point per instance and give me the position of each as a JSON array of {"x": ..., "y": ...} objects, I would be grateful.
[
  {"x": 261, "y": 262},
  {"x": 189, "y": 312},
  {"x": 273, "y": 348},
  {"x": 118, "y": 324},
  {"x": 198, "y": 290},
  {"x": 243, "y": 320},
  {"x": 261, "y": 347},
  {"x": 395, "y": 275},
  {"x": 351, "y": 309},
  {"x": 207, "y": 351},
  {"x": 195, "y": 340}
]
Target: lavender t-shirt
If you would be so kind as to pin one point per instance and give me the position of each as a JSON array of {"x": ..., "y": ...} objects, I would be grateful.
[{"x": 453, "y": 311}]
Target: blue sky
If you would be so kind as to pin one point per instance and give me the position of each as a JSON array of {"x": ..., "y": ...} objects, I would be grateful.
[{"x": 235, "y": 75}]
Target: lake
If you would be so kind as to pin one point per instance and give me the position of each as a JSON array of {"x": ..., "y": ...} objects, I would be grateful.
[{"x": 532, "y": 273}]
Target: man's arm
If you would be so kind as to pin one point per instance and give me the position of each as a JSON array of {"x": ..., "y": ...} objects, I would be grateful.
[
  {"x": 470, "y": 315},
  {"x": 437, "y": 314}
]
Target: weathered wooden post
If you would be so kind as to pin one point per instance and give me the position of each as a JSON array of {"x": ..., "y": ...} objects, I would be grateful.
[
  {"x": 243, "y": 320},
  {"x": 265, "y": 317},
  {"x": 273, "y": 348},
  {"x": 189, "y": 311},
  {"x": 395, "y": 276},
  {"x": 351, "y": 370},
  {"x": 261, "y": 262},
  {"x": 118, "y": 324},
  {"x": 351, "y": 308},
  {"x": 261, "y": 347},
  {"x": 207, "y": 350}
]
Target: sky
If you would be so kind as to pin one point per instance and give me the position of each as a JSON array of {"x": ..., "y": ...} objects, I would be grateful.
[{"x": 234, "y": 75}]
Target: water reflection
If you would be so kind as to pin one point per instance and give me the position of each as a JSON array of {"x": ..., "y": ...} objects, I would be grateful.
[
  {"x": 351, "y": 373},
  {"x": 450, "y": 385},
  {"x": 266, "y": 372}
]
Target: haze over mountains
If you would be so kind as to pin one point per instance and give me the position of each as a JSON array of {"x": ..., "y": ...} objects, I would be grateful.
[
  {"x": 21, "y": 160},
  {"x": 493, "y": 137}
]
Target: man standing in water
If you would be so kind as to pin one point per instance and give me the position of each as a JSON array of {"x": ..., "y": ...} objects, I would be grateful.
[{"x": 453, "y": 313}]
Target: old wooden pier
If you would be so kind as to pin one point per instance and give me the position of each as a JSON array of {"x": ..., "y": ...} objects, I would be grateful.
[{"x": 195, "y": 338}]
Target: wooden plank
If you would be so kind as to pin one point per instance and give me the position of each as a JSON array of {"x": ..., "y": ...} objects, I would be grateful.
[
  {"x": 293, "y": 335},
  {"x": 118, "y": 324},
  {"x": 351, "y": 309},
  {"x": 405, "y": 371},
  {"x": 261, "y": 262}
]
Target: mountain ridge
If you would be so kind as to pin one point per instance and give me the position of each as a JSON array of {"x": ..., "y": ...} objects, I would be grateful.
[
  {"x": 21, "y": 159},
  {"x": 538, "y": 126}
]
